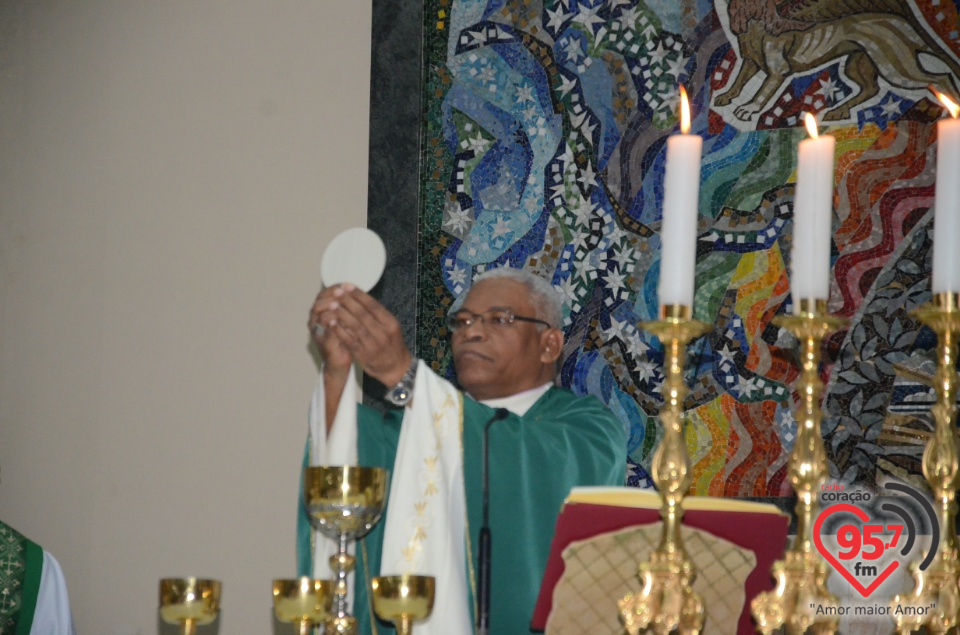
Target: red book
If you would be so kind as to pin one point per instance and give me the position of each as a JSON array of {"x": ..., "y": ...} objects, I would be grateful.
[{"x": 589, "y": 512}]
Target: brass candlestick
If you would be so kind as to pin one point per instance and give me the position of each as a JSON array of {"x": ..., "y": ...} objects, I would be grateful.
[
  {"x": 189, "y": 602},
  {"x": 303, "y": 602},
  {"x": 937, "y": 584},
  {"x": 667, "y": 601},
  {"x": 403, "y": 599},
  {"x": 801, "y": 576},
  {"x": 344, "y": 503}
]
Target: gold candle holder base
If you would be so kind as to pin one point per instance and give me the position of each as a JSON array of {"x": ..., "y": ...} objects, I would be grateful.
[
  {"x": 189, "y": 602},
  {"x": 403, "y": 599},
  {"x": 801, "y": 583},
  {"x": 937, "y": 585},
  {"x": 667, "y": 601},
  {"x": 801, "y": 575}
]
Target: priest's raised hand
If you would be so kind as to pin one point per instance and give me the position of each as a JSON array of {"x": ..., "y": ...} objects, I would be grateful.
[{"x": 350, "y": 326}]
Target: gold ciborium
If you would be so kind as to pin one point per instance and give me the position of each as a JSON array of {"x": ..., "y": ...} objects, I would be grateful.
[
  {"x": 937, "y": 584},
  {"x": 344, "y": 503},
  {"x": 667, "y": 601},
  {"x": 189, "y": 602},
  {"x": 303, "y": 602},
  {"x": 403, "y": 599}
]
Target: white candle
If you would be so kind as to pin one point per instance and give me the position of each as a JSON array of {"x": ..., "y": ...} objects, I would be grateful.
[
  {"x": 678, "y": 229},
  {"x": 946, "y": 217},
  {"x": 812, "y": 216}
]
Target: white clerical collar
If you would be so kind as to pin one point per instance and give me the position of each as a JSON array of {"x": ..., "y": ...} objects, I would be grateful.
[{"x": 519, "y": 403}]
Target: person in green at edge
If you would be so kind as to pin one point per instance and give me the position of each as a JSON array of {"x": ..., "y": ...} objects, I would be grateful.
[
  {"x": 33, "y": 593},
  {"x": 506, "y": 344}
]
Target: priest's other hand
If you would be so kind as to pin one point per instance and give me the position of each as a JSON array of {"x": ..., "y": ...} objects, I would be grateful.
[{"x": 366, "y": 330}]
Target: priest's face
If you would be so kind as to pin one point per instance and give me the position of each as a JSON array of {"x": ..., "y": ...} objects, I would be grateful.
[{"x": 495, "y": 359}]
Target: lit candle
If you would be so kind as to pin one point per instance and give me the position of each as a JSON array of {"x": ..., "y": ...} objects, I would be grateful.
[
  {"x": 678, "y": 230},
  {"x": 946, "y": 224},
  {"x": 812, "y": 216}
]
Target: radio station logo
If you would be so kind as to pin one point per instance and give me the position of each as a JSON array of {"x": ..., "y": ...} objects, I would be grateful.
[{"x": 863, "y": 542}]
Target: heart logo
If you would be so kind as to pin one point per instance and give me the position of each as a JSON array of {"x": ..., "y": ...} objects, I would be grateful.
[{"x": 862, "y": 515}]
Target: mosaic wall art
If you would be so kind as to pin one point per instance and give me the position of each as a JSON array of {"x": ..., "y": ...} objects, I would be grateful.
[{"x": 544, "y": 146}]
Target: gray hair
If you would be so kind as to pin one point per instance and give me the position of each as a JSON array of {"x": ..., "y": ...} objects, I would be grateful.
[{"x": 544, "y": 298}]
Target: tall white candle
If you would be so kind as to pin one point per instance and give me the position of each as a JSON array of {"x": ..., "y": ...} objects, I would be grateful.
[
  {"x": 678, "y": 229},
  {"x": 946, "y": 216},
  {"x": 812, "y": 216}
]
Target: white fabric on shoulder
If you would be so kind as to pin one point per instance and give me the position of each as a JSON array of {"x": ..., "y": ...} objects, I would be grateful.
[
  {"x": 339, "y": 448},
  {"x": 52, "y": 616},
  {"x": 425, "y": 524}
]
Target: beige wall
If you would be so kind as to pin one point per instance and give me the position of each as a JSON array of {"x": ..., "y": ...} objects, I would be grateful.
[{"x": 169, "y": 175}]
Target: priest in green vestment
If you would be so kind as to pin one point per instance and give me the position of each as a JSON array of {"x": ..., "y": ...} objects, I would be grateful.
[{"x": 506, "y": 344}]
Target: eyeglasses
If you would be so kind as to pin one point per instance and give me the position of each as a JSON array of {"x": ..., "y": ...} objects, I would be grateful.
[{"x": 496, "y": 318}]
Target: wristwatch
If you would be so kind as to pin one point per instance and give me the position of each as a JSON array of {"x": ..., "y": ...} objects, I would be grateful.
[{"x": 400, "y": 394}]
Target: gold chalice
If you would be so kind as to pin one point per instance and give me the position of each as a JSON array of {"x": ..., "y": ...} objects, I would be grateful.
[
  {"x": 304, "y": 602},
  {"x": 344, "y": 504},
  {"x": 189, "y": 602},
  {"x": 403, "y": 599}
]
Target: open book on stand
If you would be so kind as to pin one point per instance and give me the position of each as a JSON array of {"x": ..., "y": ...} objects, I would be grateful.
[{"x": 603, "y": 533}]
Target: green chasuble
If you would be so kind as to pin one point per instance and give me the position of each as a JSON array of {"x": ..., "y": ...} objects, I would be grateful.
[
  {"x": 21, "y": 564},
  {"x": 561, "y": 442}
]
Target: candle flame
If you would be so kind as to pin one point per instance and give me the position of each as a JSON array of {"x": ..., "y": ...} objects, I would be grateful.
[
  {"x": 811, "y": 123},
  {"x": 948, "y": 103},
  {"x": 684, "y": 111}
]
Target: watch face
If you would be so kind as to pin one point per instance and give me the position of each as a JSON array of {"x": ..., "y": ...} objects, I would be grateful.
[{"x": 400, "y": 395}]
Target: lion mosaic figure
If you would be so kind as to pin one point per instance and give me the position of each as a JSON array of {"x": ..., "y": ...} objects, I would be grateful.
[{"x": 873, "y": 40}]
